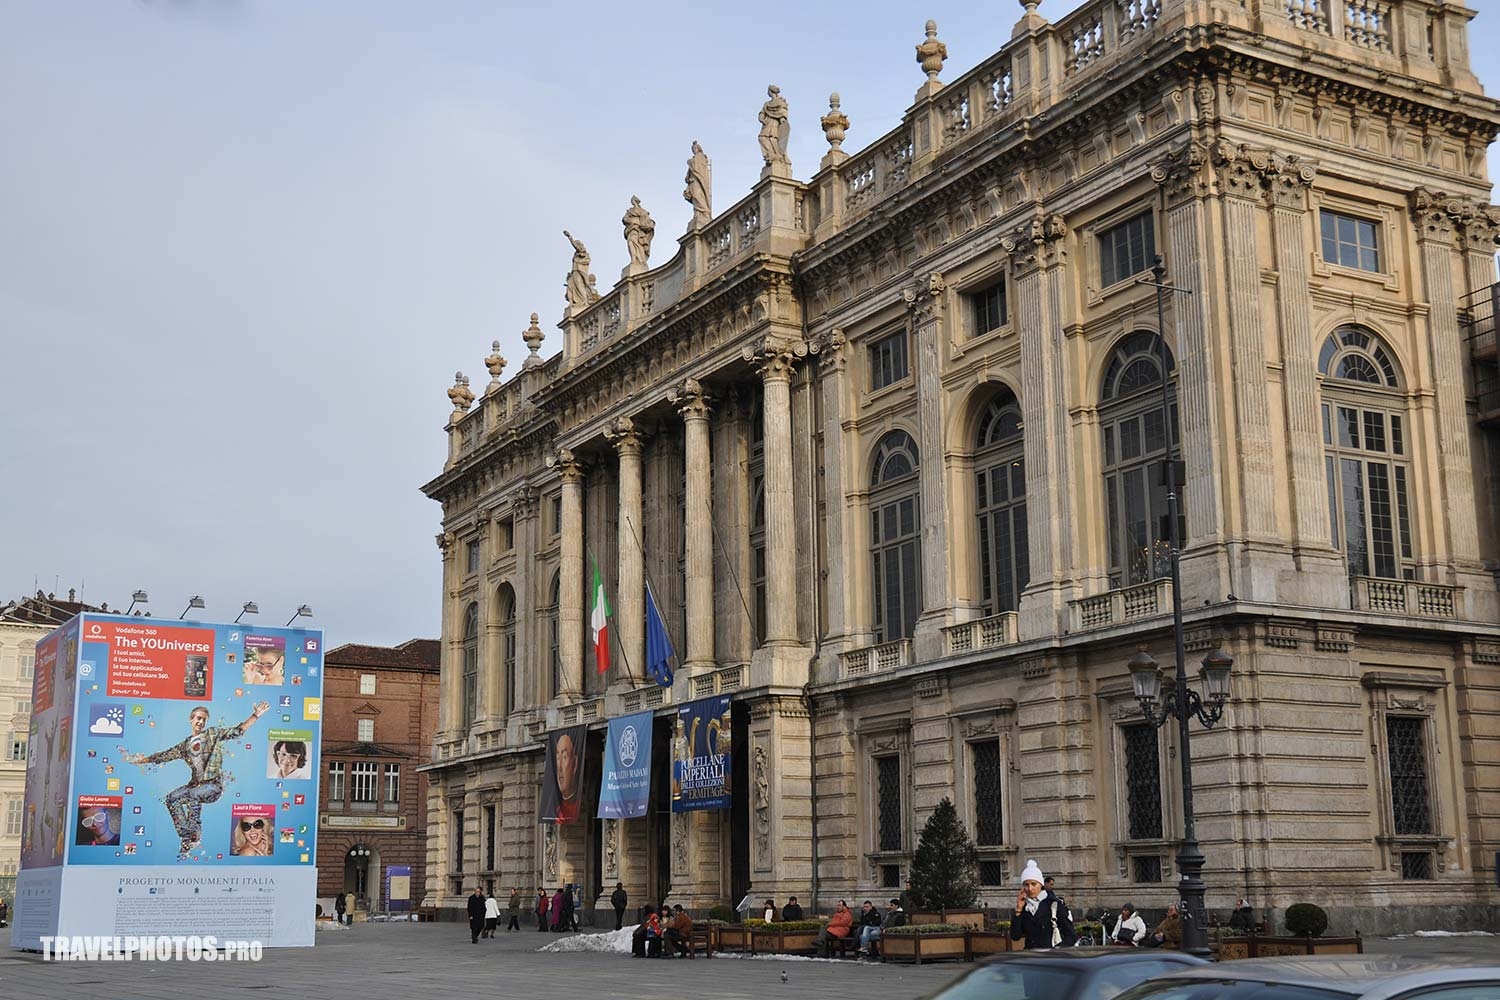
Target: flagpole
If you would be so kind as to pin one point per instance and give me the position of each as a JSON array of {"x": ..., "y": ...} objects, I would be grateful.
[
  {"x": 629, "y": 672},
  {"x": 729, "y": 564},
  {"x": 651, "y": 603},
  {"x": 646, "y": 574}
]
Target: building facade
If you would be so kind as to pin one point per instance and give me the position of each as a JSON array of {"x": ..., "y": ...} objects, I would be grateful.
[
  {"x": 888, "y": 444},
  {"x": 22, "y": 623},
  {"x": 380, "y": 708}
]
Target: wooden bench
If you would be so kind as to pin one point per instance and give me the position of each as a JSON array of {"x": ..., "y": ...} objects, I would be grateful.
[
  {"x": 844, "y": 947},
  {"x": 426, "y": 914},
  {"x": 700, "y": 942}
]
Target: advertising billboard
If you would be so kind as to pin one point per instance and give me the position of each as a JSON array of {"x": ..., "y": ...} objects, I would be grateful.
[
  {"x": 626, "y": 789},
  {"x": 176, "y": 791},
  {"x": 702, "y": 755}
]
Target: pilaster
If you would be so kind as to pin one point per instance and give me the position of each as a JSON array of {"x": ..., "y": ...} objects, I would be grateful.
[
  {"x": 489, "y": 695},
  {"x": 780, "y": 764},
  {"x": 629, "y": 604},
  {"x": 843, "y": 513},
  {"x": 450, "y": 689},
  {"x": 1038, "y": 258},
  {"x": 926, "y": 304},
  {"x": 693, "y": 404},
  {"x": 570, "y": 571},
  {"x": 528, "y": 627}
]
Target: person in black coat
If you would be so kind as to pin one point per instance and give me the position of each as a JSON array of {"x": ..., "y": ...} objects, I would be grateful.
[
  {"x": 1041, "y": 919},
  {"x": 476, "y": 915},
  {"x": 1243, "y": 917},
  {"x": 618, "y": 899},
  {"x": 792, "y": 910}
]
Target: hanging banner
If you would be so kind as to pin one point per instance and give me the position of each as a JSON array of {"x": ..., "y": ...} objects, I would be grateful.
[
  {"x": 562, "y": 781},
  {"x": 398, "y": 887},
  {"x": 701, "y": 755},
  {"x": 627, "y": 768}
]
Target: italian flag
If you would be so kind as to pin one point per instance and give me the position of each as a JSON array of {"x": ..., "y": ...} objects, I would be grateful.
[{"x": 599, "y": 621}]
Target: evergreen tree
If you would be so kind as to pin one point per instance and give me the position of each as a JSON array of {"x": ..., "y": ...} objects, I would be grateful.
[{"x": 945, "y": 871}]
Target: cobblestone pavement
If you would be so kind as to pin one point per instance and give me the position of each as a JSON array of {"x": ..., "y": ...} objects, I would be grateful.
[{"x": 380, "y": 961}]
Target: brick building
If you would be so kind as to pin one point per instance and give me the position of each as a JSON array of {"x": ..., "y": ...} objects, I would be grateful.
[{"x": 379, "y": 715}]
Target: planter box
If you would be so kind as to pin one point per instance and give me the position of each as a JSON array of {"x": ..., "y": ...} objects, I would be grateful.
[
  {"x": 921, "y": 948},
  {"x": 972, "y": 919},
  {"x": 925, "y": 917},
  {"x": 733, "y": 939},
  {"x": 1255, "y": 946},
  {"x": 782, "y": 942},
  {"x": 989, "y": 942}
]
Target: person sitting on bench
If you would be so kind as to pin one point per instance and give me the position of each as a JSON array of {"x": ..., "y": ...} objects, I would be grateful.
[
  {"x": 680, "y": 931},
  {"x": 840, "y": 926},
  {"x": 638, "y": 938}
]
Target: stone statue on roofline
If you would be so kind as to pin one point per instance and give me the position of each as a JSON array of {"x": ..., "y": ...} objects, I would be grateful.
[
  {"x": 640, "y": 229},
  {"x": 699, "y": 182},
  {"x": 580, "y": 283},
  {"x": 775, "y": 128}
]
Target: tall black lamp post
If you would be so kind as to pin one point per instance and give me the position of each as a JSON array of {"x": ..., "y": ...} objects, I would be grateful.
[{"x": 1181, "y": 702}]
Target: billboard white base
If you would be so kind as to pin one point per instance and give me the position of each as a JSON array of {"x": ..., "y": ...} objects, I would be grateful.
[{"x": 271, "y": 905}]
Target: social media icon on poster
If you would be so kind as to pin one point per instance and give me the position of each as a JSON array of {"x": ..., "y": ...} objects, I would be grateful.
[
  {"x": 285, "y": 701},
  {"x": 312, "y": 645},
  {"x": 234, "y": 637},
  {"x": 85, "y": 669}
]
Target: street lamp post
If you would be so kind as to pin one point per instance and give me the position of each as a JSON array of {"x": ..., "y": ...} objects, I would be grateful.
[{"x": 1182, "y": 702}]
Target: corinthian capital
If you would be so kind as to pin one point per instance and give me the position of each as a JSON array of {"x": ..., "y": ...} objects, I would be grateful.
[
  {"x": 774, "y": 358},
  {"x": 1180, "y": 173},
  {"x": 625, "y": 436},
  {"x": 566, "y": 464},
  {"x": 1037, "y": 242},
  {"x": 691, "y": 401},
  {"x": 925, "y": 298},
  {"x": 832, "y": 351}
]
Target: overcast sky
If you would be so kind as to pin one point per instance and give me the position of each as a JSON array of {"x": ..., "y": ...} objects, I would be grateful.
[{"x": 244, "y": 246}]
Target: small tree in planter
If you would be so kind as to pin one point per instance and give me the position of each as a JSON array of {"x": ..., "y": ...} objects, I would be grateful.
[
  {"x": 1306, "y": 920},
  {"x": 945, "y": 870}
]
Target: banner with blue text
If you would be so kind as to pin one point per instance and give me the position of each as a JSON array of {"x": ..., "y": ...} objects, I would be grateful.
[
  {"x": 627, "y": 768},
  {"x": 701, "y": 755}
]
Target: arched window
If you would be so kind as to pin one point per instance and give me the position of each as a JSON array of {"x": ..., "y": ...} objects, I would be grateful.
[
  {"x": 1135, "y": 448},
  {"x": 1366, "y": 459},
  {"x": 554, "y": 637},
  {"x": 1000, "y": 477},
  {"x": 471, "y": 664},
  {"x": 895, "y": 535},
  {"x": 508, "y": 646}
]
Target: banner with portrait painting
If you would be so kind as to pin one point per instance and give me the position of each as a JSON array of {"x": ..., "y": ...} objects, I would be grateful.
[
  {"x": 701, "y": 755},
  {"x": 561, "y": 800},
  {"x": 627, "y": 768}
]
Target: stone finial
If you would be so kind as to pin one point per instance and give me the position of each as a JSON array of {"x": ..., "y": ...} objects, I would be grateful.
[
  {"x": 533, "y": 336},
  {"x": 1030, "y": 6},
  {"x": 496, "y": 364},
  {"x": 461, "y": 395},
  {"x": 932, "y": 52},
  {"x": 835, "y": 124}
]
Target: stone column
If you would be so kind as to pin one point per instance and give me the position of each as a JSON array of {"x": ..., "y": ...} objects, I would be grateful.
[
  {"x": 1436, "y": 216},
  {"x": 630, "y": 599},
  {"x": 693, "y": 403},
  {"x": 1038, "y": 255},
  {"x": 774, "y": 362},
  {"x": 926, "y": 303},
  {"x": 451, "y": 687},
  {"x": 530, "y": 633},
  {"x": 844, "y": 516},
  {"x": 570, "y": 581}
]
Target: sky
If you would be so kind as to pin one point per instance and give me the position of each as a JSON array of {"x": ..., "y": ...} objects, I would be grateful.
[{"x": 245, "y": 244}]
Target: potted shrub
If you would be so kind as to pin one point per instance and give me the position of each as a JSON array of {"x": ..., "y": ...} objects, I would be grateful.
[
  {"x": 990, "y": 941},
  {"x": 784, "y": 936},
  {"x": 924, "y": 943},
  {"x": 1306, "y": 920}
]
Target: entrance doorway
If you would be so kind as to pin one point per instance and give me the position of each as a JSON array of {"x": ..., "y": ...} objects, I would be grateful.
[{"x": 362, "y": 876}]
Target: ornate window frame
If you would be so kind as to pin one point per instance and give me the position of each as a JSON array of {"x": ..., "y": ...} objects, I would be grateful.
[
  {"x": 993, "y": 725},
  {"x": 1389, "y": 223},
  {"x": 989, "y": 456},
  {"x": 1119, "y": 709},
  {"x": 1411, "y": 695},
  {"x": 1095, "y": 291},
  {"x": 885, "y": 738}
]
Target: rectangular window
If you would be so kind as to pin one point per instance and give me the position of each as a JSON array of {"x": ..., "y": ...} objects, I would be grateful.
[
  {"x": 1406, "y": 745},
  {"x": 471, "y": 561},
  {"x": 364, "y": 780},
  {"x": 1146, "y": 868},
  {"x": 23, "y": 706},
  {"x": 991, "y": 872},
  {"x": 489, "y": 838},
  {"x": 888, "y": 802},
  {"x": 888, "y": 361},
  {"x": 367, "y": 730},
  {"x": 556, "y": 518},
  {"x": 1142, "y": 781},
  {"x": 366, "y": 683},
  {"x": 1416, "y": 866},
  {"x": 336, "y": 781},
  {"x": 505, "y": 535},
  {"x": 1127, "y": 249},
  {"x": 393, "y": 784},
  {"x": 15, "y": 748},
  {"x": 988, "y": 812},
  {"x": 28, "y": 665},
  {"x": 989, "y": 308},
  {"x": 13, "y": 811},
  {"x": 1350, "y": 242},
  {"x": 458, "y": 840}
]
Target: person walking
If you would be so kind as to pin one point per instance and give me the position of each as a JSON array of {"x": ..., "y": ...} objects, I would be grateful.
[
  {"x": 476, "y": 916},
  {"x": 618, "y": 899},
  {"x": 338, "y": 907},
  {"x": 839, "y": 927},
  {"x": 1041, "y": 919},
  {"x": 491, "y": 915},
  {"x": 557, "y": 909},
  {"x": 515, "y": 910},
  {"x": 541, "y": 910}
]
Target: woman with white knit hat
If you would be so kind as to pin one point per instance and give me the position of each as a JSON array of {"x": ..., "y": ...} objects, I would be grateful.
[{"x": 1041, "y": 919}]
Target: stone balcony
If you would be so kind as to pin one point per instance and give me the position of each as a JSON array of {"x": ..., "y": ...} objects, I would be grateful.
[
  {"x": 981, "y": 633},
  {"x": 1405, "y": 597},
  {"x": 721, "y": 681},
  {"x": 875, "y": 659},
  {"x": 1122, "y": 605}
]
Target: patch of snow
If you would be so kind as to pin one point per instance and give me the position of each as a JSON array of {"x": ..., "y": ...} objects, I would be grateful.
[
  {"x": 330, "y": 925},
  {"x": 1455, "y": 934},
  {"x": 612, "y": 942}
]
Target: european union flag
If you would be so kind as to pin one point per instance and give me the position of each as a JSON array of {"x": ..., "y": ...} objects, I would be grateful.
[{"x": 658, "y": 646}]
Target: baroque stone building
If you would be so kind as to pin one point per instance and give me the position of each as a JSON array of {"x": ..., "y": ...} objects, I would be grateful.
[{"x": 887, "y": 444}]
